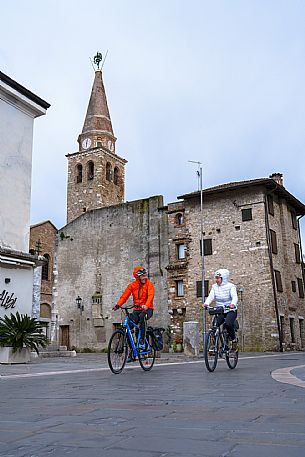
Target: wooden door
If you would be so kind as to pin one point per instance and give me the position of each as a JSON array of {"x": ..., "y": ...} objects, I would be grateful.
[{"x": 64, "y": 336}]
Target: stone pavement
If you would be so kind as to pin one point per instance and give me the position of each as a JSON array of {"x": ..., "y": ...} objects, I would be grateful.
[{"x": 77, "y": 407}]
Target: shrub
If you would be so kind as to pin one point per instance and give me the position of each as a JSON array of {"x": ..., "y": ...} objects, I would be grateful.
[{"x": 20, "y": 330}]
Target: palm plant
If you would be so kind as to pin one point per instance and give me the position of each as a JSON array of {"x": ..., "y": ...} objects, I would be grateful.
[{"x": 20, "y": 330}]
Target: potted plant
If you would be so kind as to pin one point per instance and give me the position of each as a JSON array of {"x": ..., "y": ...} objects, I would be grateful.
[
  {"x": 19, "y": 335},
  {"x": 178, "y": 344}
]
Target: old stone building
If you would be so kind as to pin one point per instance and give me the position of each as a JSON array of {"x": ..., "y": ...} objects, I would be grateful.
[
  {"x": 42, "y": 241},
  {"x": 251, "y": 228},
  {"x": 96, "y": 257}
]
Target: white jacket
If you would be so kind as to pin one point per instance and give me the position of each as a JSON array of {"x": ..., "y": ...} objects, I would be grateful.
[{"x": 225, "y": 294}]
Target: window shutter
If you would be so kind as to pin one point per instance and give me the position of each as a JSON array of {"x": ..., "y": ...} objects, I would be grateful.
[
  {"x": 297, "y": 253},
  {"x": 270, "y": 205},
  {"x": 301, "y": 288},
  {"x": 278, "y": 280},
  {"x": 246, "y": 214},
  {"x": 273, "y": 242}
]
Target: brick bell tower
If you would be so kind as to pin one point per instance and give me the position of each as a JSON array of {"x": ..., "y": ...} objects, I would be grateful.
[{"x": 96, "y": 174}]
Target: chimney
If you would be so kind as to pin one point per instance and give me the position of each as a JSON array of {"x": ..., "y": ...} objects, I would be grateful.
[{"x": 277, "y": 177}]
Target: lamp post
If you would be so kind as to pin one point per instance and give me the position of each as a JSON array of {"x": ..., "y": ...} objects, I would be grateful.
[
  {"x": 79, "y": 305},
  {"x": 199, "y": 174}
]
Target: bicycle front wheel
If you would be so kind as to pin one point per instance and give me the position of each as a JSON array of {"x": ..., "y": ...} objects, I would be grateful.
[
  {"x": 232, "y": 356},
  {"x": 147, "y": 360},
  {"x": 211, "y": 350},
  {"x": 117, "y": 351}
]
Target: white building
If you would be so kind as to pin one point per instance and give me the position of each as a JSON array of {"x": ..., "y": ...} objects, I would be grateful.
[{"x": 18, "y": 109}]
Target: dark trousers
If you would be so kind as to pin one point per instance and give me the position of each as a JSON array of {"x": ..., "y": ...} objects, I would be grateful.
[
  {"x": 228, "y": 319},
  {"x": 139, "y": 317}
]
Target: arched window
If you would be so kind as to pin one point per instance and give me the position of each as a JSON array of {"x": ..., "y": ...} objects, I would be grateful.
[
  {"x": 79, "y": 173},
  {"x": 179, "y": 219},
  {"x": 116, "y": 175},
  {"x": 90, "y": 170},
  {"x": 45, "y": 268},
  {"x": 108, "y": 171}
]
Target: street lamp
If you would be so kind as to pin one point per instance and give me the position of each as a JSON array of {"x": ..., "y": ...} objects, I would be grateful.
[
  {"x": 199, "y": 174},
  {"x": 79, "y": 303}
]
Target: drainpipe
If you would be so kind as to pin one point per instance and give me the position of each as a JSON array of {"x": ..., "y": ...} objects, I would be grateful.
[
  {"x": 301, "y": 250},
  {"x": 272, "y": 271}
]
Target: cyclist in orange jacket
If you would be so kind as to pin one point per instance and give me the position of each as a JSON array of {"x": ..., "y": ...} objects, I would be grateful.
[{"x": 142, "y": 291}]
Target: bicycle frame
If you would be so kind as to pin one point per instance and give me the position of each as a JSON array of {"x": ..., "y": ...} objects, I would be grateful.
[{"x": 128, "y": 329}]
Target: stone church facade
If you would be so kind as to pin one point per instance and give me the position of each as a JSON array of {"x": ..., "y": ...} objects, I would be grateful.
[{"x": 249, "y": 227}]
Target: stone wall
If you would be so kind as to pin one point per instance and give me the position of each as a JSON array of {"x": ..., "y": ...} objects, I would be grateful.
[
  {"x": 241, "y": 247},
  {"x": 96, "y": 255},
  {"x": 46, "y": 233},
  {"x": 95, "y": 190}
]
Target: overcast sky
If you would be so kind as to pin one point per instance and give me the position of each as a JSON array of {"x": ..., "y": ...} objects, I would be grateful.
[{"x": 221, "y": 82}]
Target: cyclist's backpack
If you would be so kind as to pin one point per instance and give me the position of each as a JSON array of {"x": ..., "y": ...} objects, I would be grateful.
[{"x": 157, "y": 338}]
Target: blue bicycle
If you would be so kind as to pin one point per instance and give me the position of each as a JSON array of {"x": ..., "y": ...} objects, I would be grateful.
[{"x": 128, "y": 338}]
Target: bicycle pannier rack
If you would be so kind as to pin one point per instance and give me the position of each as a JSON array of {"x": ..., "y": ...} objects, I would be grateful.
[{"x": 156, "y": 336}]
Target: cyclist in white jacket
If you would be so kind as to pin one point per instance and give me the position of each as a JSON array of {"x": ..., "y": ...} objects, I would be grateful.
[{"x": 225, "y": 294}]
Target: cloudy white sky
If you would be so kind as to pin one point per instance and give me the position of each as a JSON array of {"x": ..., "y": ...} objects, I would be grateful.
[{"x": 221, "y": 82}]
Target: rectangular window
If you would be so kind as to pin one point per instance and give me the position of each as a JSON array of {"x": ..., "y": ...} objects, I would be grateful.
[
  {"x": 282, "y": 326},
  {"x": 270, "y": 205},
  {"x": 297, "y": 253},
  {"x": 300, "y": 287},
  {"x": 199, "y": 288},
  {"x": 207, "y": 247},
  {"x": 246, "y": 214},
  {"x": 294, "y": 220},
  {"x": 273, "y": 241},
  {"x": 278, "y": 280},
  {"x": 181, "y": 251},
  {"x": 179, "y": 288},
  {"x": 291, "y": 323},
  {"x": 293, "y": 286}
]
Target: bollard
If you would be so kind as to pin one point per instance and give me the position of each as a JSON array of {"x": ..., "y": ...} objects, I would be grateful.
[{"x": 191, "y": 338}]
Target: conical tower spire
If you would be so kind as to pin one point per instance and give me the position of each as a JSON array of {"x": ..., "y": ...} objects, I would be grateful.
[
  {"x": 96, "y": 174},
  {"x": 97, "y": 130}
]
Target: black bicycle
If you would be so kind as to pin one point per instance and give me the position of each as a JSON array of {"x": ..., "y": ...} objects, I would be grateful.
[
  {"x": 128, "y": 338},
  {"x": 218, "y": 343}
]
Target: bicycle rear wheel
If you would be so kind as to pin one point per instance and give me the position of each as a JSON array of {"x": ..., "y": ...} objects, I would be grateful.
[
  {"x": 117, "y": 351},
  {"x": 211, "y": 350},
  {"x": 232, "y": 356},
  {"x": 147, "y": 360}
]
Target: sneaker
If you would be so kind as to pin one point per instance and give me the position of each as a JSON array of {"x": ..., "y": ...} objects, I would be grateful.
[
  {"x": 141, "y": 345},
  {"x": 130, "y": 357}
]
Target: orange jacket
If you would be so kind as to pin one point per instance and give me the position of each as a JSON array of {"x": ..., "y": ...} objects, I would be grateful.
[{"x": 143, "y": 294}]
